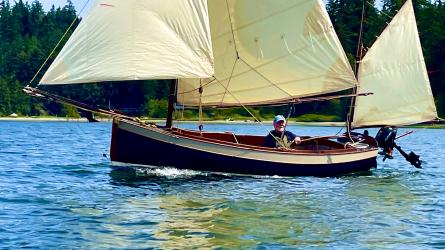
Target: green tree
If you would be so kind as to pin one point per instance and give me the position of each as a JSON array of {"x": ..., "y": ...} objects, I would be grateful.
[
  {"x": 5, "y": 98},
  {"x": 157, "y": 108}
]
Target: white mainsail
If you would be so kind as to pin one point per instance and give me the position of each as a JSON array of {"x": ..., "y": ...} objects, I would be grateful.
[
  {"x": 121, "y": 40},
  {"x": 394, "y": 70},
  {"x": 269, "y": 51}
]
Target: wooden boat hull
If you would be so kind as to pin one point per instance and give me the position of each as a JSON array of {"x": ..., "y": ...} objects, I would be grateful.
[{"x": 144, "y": 145}]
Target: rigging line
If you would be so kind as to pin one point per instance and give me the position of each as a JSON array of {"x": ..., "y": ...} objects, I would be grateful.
[
  {"x": 359, "y": 51},
  {"x": 52, "y": 52},
  {"x": 201, "y": 125},
  {"x": 63, "y": 100},
  {"x": 387, "y": 24},
  {"x": 193, "y": 90},
  {"x": 83, "y": 7},
  {"x": 265, "y": 78},
  {"x": 294, "y": 101},
  {"x": 181, "y": 118},
  {"x": 254, "y": 117},
  {"x": 58, "y": 43},
  {"x": 230, "y": 79},
  {"x": 341, "y": 128},
  {"x": 231, "y": 28},
  {"x": 281, "y": 57},
  {"x": 291, "y": 108},
  {"x": 240, "y": 103},
  {"x": 380, "y": 11},
  {"x": 358, "y": 58}
]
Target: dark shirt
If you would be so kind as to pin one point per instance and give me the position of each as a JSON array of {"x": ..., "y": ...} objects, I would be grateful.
[{"x": 287, "y": 140}]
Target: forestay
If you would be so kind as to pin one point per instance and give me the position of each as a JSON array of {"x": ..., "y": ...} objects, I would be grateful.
[
  {"x": 135, "y": 40},
  {"x": 394, "y": 70},
  {"x": 269, "y": 52}
]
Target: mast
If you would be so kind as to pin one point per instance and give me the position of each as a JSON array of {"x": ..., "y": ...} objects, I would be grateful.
[
  {"x": 171, "y": 103},
  {"x": 404, "y": 73},
  {"x": 358, "y": 58}
]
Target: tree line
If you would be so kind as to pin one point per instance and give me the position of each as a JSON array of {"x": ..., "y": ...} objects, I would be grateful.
[{"x": 28, "y": 34}]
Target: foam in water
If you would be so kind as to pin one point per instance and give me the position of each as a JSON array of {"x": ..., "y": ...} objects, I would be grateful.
[{"x": 167, "y": 172}]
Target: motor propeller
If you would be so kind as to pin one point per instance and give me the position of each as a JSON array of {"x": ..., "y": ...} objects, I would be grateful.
[
  {"x": 412, "y": 157},
  {"x": 386, "y": 140}
]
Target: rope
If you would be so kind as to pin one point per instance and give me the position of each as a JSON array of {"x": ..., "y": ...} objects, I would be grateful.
[
  {"x": 201, "y": 126},
  {"x": 265, "y": 78},
  {"x": 230, "y": 79},
  {"x": 248, "y": 111},
  {"x": 195, "y": 89},
  {"x": 52, "y": 52},
  {"x": 59, "y": 99},
  {"x": 58, "y": 43},
  {"x": 381, "y": 11},
  {"x": 181, "y": 118},
  {"x": 387, "y": 23},
  {"x": 231, "y": 28},
  {"x": 288, "y": 116}
]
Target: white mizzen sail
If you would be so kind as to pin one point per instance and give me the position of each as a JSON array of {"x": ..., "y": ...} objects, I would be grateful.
[
  {"x": 287, "y": 49},
  {"x": 121, "y": 40},
  {"x": 394, "y": 70}
]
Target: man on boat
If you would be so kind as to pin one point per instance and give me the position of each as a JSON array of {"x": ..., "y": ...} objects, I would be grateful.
[{"x": 279, "y": 137}]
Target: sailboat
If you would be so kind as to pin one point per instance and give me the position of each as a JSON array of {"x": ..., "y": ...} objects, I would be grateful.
[
  {"x": 394, "y": 70},
  {"x": 219, "y": 54}
]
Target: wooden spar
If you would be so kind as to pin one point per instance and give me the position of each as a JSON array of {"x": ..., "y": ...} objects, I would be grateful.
[
  {"x": 82, "y": 106},
  {"x": 294, "y": 101},
  {"x": 171, "y": 103},
  {"x": 407, "y": 133},
  {"x": 358, "y": 58}
]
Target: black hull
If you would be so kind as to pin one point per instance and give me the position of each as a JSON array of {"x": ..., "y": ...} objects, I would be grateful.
[{"x": 133, "y": 148}]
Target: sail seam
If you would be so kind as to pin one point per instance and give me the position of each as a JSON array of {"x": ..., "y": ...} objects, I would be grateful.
[{"x": 290, "y": 8}]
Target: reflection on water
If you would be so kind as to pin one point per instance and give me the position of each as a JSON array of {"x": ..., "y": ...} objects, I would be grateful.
[
  {"x": 224, "y": 211},
  {"x": 59, "y": 192},
  {"x": 201, "y": 210}
]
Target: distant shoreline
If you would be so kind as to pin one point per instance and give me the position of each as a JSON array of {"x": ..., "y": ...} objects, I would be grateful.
[
  {"x": 247, "y": 122},
  {"x": 64, "y": 119},
  {"x": 49, "y": 119}
]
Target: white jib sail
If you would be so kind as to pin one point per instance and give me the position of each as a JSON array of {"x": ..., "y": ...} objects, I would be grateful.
[
  {"x": 269, "y": 51},
  {"x": 122, "y": 40},
  {"x": 394, "y": 70}
]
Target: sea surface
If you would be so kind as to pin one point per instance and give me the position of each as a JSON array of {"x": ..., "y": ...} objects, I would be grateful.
[{"x": 59, "y": 191}]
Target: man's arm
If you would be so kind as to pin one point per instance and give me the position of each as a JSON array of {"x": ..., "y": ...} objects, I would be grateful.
[{"x": 292, "y": 137}]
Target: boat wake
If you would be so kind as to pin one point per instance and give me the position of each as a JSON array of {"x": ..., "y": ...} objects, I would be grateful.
[
  {"x": 138, "y": 170},
  {"x": 167, "y": 172},
  {"x": 146, "y": 170}
]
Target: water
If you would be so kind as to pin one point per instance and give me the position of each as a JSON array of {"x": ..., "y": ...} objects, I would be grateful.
[{"x": 58, "y": 191}]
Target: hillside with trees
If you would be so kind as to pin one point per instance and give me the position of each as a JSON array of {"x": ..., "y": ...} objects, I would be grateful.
[{"x": 28, "y": 34}]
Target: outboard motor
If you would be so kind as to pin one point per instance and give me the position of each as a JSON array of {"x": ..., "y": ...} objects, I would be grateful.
[{"x": 386, "y": 139}]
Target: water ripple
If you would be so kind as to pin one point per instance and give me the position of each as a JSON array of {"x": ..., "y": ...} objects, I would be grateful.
[{"x": 57, "y": 191}]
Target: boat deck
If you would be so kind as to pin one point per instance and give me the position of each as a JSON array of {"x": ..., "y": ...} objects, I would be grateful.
[{"x": 255, "y": 141}]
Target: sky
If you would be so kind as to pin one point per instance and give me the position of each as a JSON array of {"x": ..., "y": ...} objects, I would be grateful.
[{"x": 78, "y": 4}]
